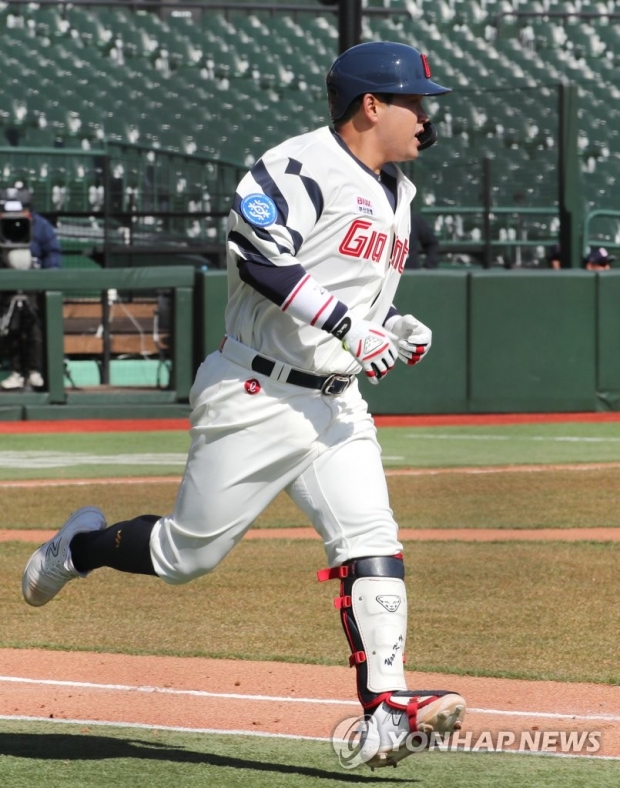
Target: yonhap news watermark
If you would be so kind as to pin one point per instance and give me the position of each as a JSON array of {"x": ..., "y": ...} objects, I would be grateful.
[{"x": 356, "y": 741}]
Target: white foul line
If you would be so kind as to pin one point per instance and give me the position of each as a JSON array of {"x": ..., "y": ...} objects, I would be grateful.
[
  {"x": 169, "y": 691},
  {"x": 279, "y": 698}
]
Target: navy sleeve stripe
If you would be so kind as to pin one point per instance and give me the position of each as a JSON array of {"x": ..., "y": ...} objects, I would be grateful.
[
  {"x": 392, "y": 311},
  {"x": 270, "y": 187},
  {"x": 311, "y": 186},
  {"x": 249, "y": 251},
  {"x": 336, "y": 316},
  {"x": 273, "y": 282}
]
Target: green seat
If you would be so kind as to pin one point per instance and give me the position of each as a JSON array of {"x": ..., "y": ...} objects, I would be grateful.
[
  {"x": 90, "y": 29},
  {"x": 48, "y": 21},
  {"x": 37, "y": 137}
]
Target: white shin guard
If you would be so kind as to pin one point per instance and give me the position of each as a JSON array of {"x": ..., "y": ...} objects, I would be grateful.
[
  {"x": 373, "y": 611},
  {"x": 379, "y": 607}
]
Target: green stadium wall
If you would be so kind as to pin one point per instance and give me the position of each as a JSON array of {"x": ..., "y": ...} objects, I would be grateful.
[{"x": 503, "y": 341}]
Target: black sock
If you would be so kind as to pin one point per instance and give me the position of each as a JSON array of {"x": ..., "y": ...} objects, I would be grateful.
[{"x": 123, "y": 546}]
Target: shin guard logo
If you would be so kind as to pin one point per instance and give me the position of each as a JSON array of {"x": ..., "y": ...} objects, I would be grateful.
[{"x": 391, "y": 602}]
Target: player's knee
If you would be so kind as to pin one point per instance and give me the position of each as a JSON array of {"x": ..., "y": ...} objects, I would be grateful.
[{"x": 179, "y": 558}]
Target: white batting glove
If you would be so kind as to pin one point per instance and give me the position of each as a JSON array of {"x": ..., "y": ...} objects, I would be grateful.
[
  {"x": 373, "y": 346},
  {"x": 414, "y": 338}
]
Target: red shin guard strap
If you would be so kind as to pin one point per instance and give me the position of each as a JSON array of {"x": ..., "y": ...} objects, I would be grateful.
[
  {"x": 335, "y": 573},
  {"x": 371, "y": 706},
  {"x": 412, "y": 714},
  {"x": 414, "y": 705}
]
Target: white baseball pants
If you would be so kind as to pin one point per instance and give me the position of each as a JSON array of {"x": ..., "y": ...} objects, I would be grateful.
[{"x": 248, "y": 445}]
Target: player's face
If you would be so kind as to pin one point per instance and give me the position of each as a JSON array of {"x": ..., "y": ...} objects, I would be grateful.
[{"x": 401, "y": 121}]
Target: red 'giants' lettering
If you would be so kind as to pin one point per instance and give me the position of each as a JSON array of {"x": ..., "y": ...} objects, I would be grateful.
[
  {"x": 358, "y": 243},
  {"x": 400, "y": 253}
]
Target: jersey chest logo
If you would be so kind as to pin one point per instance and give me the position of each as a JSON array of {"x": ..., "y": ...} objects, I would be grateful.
[
  {"x": 358, "y": 242},
  {"x": 364, "y": 205},
  {"x": 400, "y": 253}
]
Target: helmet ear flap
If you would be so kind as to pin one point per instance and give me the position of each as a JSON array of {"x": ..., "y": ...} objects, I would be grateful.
[{"x": 428, "y": 136}]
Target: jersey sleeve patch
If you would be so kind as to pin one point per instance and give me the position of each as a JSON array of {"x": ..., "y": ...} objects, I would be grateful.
[{"x": 259, "y": 210}]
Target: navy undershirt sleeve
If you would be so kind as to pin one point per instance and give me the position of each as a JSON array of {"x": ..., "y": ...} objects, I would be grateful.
[
  {"x": 392, "y": 312},
  {"x": 277, "y": 282},
  {"x": 272, "y": 281}
]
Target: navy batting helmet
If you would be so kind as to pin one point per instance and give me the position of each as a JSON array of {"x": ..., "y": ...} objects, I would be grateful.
[{"x": 378, "y": 67}]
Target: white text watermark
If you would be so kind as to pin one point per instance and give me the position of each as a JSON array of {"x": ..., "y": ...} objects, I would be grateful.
[{"x": 357, "y": 740}]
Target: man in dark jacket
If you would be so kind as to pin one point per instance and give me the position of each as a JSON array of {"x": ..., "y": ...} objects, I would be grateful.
[
  {"x": 422, "y": 239},
  {"x": 20, "y": 313}
]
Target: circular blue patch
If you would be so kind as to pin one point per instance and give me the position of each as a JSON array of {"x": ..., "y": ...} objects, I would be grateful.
[{"x": 259, "y": 209}]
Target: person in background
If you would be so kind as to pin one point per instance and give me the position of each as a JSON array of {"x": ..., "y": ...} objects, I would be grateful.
[
  {"x": 422, "y": 239},
  {"x": 598, "y": 259},
  {"x": 553, "y": 257},
  {"x": 24, "y": 338}
]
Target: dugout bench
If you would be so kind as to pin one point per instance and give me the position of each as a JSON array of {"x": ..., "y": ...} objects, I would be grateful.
[{"x": 59, "y": 286}]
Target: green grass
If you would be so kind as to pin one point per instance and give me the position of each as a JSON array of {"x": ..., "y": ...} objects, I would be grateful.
[
  {"x": 70, "y": 756},
  {"x": 99, "y": 442},
  {"x": 402, "y": 447},
  {"x": 95, "y": 454},
  {"x": 521, "y": 609},
  {"x": 501, "y": 444},
  {"x": 553, "y": 499}
]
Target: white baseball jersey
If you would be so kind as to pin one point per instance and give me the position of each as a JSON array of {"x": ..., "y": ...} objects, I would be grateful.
[
  {"x": 309, "y": 202},
  {"x": 313, "y": 236}
]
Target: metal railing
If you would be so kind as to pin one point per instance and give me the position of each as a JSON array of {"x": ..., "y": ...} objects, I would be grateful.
[
  {"x": 597, "y": 239},
  {"x": 120, "y": 202}
]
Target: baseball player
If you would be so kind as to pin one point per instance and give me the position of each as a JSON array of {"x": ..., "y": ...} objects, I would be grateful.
[{"x": 317, "y": 241}]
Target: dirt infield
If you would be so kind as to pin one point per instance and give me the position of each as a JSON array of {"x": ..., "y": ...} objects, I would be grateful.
[
  {"x": 276, "y": 698},
  {"x": 405, "y": 534}
]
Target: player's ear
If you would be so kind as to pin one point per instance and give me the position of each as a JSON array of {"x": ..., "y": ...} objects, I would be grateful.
[{"x": 370, "y": 105}]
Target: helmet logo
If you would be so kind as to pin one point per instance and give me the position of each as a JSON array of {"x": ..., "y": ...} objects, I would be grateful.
[{"x": 425, "y": 65}]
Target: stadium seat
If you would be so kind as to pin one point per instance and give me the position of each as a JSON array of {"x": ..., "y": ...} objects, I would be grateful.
[{"x": 190, "y": 80}]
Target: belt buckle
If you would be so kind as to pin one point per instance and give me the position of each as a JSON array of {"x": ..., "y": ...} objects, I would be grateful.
[{"x": 336, "y": 384}]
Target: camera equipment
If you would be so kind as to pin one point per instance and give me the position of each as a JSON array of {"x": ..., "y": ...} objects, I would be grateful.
[
  {"x": 15, "y": 228},
  {"x": 11, "y": 316}
]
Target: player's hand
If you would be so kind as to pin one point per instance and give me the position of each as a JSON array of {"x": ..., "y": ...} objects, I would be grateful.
[
  {"x": 414, "y": 338},
  {"x": 373, "y": 346}
]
